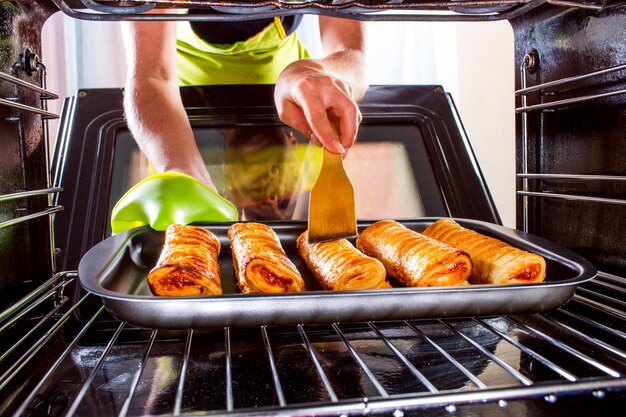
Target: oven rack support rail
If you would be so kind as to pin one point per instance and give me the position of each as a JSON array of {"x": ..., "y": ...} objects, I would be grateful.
[
  {"x": 604, "y": 297},
  {"x": 395, "y": 10},
  {"x": 545, "y": 90},
  {"x": 14, "y": 102}
]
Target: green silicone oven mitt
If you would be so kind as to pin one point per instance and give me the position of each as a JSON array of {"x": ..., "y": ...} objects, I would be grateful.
[{"x": 168, "y": 198}]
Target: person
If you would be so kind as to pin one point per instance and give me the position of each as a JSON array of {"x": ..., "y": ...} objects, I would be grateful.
[{"x": 317, "y": 97}]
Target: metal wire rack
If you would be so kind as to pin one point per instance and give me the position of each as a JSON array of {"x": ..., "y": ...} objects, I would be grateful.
[{"x": 340, "y": 368}]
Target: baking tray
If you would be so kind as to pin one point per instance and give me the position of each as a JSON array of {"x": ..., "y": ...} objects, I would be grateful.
[{"x": 116, "y": 269}]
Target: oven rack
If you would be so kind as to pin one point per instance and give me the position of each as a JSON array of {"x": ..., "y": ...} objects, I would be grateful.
[
  {"x": 395, "y": 10},
  {"x": 566, "y": 85},
  {"x": 581, "y": 345}
]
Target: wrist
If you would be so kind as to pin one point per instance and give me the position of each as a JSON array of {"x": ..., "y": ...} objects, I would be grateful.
[
  {"x": 201, "y": 175},
  {"x": 302, "y": 68}
]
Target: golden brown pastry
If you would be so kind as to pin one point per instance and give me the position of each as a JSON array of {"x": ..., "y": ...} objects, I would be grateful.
[
  {"x": 188, "y": 264},
  {"x": 495, "y": 262},
  {"x": 413, "y": 259},
  {"x": 260, "y": 262},
  {"x": 338, "y": 265}
]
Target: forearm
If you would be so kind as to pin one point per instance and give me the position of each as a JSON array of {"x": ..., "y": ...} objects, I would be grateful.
[
  {"x": 347, "y": 65},
  {"x": 167, "y": 142},
  {"x": 154, "y": 110},
  {"x": 343, "y": 57},
  {"x": 343, "y": 44}
]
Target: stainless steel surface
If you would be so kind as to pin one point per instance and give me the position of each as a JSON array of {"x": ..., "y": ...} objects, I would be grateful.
[
  {"x": 524, "y": 90},
  {"x": 574, "y": 177},
  {"x": 43, "y": 73},
  {"x": 526, "y": 63},
  {"x": 183, "y": 372},
  {"x": 524, "y": 109},
  {"x": 116, "y": 269},
  {"x": 24, "y": 107},
  {"x": 51, "y": 210},
  {"x": 86, "y": 386},
  {"x": 26, "y": 348},
  {"x": 270, "y": 356},
  {"x": 547, "y": 85},
  {"x": 50, "y": 191},
  {"x": 45, "y": 94},
  {"x": 138, "y": 373},
  {"x": 46, "y": 212},
  {"x": 15, "y": 97},
  {"x": 318, "y": 367},
  {"x": 568, "y": 101},
  {"x": 574, "y": 152},
  {"x": 23, "y": 194},
  {"x": 573, "y": 197}
]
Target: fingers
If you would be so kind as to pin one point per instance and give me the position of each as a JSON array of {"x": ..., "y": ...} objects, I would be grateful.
[
  {"x": 344, "y": 86},
  {"x": 292, "y": 115},
  {"x": 347, "y": 119},
  {"x": 332, "y": 114},
  {"x": 315, "y": 140},
  {"x": 327, "y": 131}
]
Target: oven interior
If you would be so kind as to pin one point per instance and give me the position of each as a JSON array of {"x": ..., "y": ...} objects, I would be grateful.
[{"x": 63, "y": 354}]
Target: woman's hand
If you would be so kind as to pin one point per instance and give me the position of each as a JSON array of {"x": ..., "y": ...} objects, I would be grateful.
[
  {"x": 317, "y": 104},
  {"x": 318, "y": 97}
]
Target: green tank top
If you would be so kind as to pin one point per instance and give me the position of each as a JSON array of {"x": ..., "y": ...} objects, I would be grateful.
[{"x": 258, "y": 60}]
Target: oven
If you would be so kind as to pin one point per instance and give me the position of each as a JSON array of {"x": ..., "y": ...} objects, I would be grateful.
[{"x": 64, "y": 354}]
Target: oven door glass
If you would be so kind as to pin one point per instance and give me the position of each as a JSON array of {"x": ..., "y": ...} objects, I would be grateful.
[{"x": 267, "y": 171}]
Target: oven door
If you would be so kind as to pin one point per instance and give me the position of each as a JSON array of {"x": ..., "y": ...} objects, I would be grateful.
[{"x": 411, "y": 159}]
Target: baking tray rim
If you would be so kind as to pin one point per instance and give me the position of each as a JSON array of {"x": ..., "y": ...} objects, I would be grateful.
[{"x": 586, "y": 271}]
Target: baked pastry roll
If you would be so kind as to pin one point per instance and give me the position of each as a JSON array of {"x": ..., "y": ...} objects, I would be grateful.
[
  {"x": 495, "y": 262},
  {"x": 413, "y": 259},
  {"x": 260, "y": 262},
  {"x": 188, "y": 264},
  {"x": 338, "y": 265}
]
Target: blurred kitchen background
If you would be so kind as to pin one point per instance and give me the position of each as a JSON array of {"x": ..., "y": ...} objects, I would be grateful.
[{"x": 473, "y": 62}]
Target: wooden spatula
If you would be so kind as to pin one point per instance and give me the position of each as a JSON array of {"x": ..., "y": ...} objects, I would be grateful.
[{"x": 331, "y": 202}]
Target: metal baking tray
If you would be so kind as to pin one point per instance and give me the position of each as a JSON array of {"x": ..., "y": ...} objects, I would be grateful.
[{"x": 116, "y": 270}]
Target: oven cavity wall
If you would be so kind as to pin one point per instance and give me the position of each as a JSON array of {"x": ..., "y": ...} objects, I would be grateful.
[
  {"x": 26, "y": 197},
  {"x": 571, "y": 130}
]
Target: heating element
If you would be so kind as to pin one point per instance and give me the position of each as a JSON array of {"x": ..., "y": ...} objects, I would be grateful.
[{"x": 63, "y": 355}]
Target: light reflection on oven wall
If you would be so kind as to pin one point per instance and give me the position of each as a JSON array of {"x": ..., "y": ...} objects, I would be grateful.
[{"x": 472, "y": 61}]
